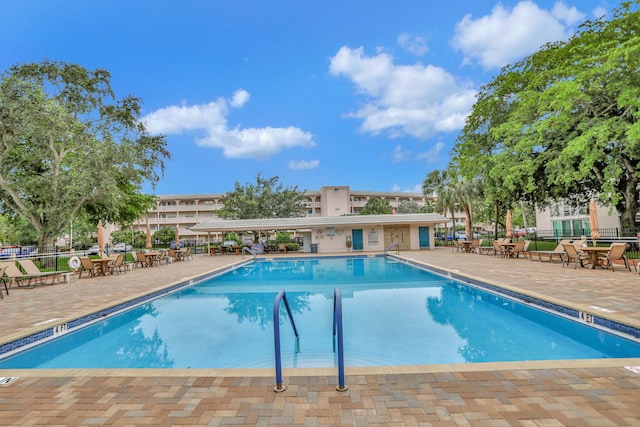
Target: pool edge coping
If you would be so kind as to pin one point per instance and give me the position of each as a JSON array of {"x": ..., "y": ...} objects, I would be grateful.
[{"x": 325, "y": 372}]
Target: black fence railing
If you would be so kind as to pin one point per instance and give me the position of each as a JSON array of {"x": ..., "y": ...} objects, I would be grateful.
[
  {"x": 548, "y": 239},
  {"x": 56, "y": 258}
]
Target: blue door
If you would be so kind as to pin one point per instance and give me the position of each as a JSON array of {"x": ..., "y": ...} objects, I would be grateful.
[
  {"x": 356, "y": 236},
  {"x": 423, "y": 236}
]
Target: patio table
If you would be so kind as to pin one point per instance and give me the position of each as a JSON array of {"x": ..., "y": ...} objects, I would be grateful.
[
  {"x": 466, "y": 245},
  {"x": 508, "y": 248},
  {"x": 103, "y": 265},
  {"x": 593, "y": 253}
]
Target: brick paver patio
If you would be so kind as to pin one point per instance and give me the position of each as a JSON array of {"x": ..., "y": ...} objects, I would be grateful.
[{"x": 562, "y": 393}]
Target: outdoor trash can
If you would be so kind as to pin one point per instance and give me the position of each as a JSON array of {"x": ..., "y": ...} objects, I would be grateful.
[{"x": 314, "y": 248}]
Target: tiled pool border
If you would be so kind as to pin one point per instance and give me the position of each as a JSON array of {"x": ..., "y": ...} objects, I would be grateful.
[
  {"x": 48, "y": 333},
  {"x": 602, "y": 322}
]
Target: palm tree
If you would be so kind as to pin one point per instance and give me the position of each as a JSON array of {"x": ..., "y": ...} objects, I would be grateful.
[
  {"x": 437, "y": 183},
  {"x": 453, "y": 190}
]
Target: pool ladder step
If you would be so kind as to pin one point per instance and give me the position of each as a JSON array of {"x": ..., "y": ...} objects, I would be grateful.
[{"x": 337, "y": 337}]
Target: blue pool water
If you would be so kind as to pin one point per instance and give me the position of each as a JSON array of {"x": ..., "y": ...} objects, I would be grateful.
[{"x": 393, "y": 314}]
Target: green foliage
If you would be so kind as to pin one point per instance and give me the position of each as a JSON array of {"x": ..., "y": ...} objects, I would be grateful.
[
  {"x": 408, "y": 207},
  {"x": 453, "y": 190},
  {"x": 234, "y": 237},
  {"x": 282, "y": 237},
  {"x": 164, "y": 235},
  {"x": 16, "y": 231},
  {"x": 264, "y": 199},
  {"x": 293, "y": 247},
  {"x": 376, "y": 206},
  {"x": 70, "y": 146},
  {"x": 135, "y": 238},
  {"x": 563, "y": 122}
]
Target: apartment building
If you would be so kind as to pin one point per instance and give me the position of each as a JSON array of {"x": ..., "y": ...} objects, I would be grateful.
[{"x": 186, "y": 210}]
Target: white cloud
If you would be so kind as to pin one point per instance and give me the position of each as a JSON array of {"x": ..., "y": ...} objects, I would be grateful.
[
  {"x": 413, "y": 44},
  {"x": 303, "y": 164},
  {"x": 400, "y": 155},
  {"x": 240, "y": 97},
  {"x": 599, "y": 12},
  {"x": 398, "y": 188},
  {"x": 506, "y": 36},
  {"x": 416, "y": 100},
  {"x": 432, "y": 156},
  {"x": 211, "y": 120},
  {"x": 568, "y": 15}
]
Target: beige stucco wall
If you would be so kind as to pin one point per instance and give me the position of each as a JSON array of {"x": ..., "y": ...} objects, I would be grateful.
[
  {"x": 375, "y": 238},
  {"x": 335, "y": 200}
]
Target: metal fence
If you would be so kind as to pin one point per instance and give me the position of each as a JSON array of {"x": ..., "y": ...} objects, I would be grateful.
[
  {"x": 607, "y": 236},
  {"x": 55, "y": 258}
]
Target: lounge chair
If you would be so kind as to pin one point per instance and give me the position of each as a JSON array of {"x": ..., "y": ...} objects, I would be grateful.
[
  {"x": 12, "y": 276},
  {"x": 15, "y": 275},
  {"x": 573, "y": 255},
  {"x": 616, "y": 253},
  {"x": 141, "y": 258},
  {"x": 282, "y": 247},
  {"x": 33, "y": 271},
  {"x": 519, "y": 249},
  {"x": 557, "y": 252},
  {"x": 6, "y": 288},
  {"x": 87, "y": 267},
  {"x": 117, "y": 264},
  {"x": 168, "y": 259},
  {"x": 497, "y": 249}
]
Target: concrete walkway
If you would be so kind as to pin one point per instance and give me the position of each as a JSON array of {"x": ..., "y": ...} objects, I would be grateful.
[{"x": 593, "y": 392}]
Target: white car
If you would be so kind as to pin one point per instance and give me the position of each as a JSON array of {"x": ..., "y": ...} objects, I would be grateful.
[{"x": 122, "y": 247}]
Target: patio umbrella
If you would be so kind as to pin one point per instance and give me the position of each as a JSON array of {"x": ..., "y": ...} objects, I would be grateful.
[
  {"x": 148, "y": 244},
  {"x": 100, "y": 236},
  {"x": 593, "y": 221},
  {"x": 177, "y": 238},
  {"x": 508, "y": 225}
]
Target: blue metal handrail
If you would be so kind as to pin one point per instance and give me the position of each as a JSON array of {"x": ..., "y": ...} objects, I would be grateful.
[
  {"x": 391, "y": 246},
  {"x": 337, "y": 327},
  {"x": 276, "y": 336}
]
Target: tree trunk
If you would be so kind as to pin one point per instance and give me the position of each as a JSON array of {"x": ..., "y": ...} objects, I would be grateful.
[
  {"x": 453, "y": 227},
  {"x": 469, "y": 222},
  {"x": 629, "y": 207},
  {"x": 496, "y": 221}
]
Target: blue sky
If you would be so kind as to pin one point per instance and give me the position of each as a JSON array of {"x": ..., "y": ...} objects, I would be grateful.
[{"x": 369, "y": 94}]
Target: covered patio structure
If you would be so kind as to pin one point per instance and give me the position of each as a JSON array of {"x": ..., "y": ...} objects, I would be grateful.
[{"x": 324, "y": 234}]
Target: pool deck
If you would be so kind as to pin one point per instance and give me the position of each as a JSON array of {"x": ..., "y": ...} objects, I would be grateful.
[{"x": 598, "y": 392}]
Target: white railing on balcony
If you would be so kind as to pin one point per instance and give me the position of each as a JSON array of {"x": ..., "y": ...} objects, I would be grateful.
[{"x": 187, "y": 208}]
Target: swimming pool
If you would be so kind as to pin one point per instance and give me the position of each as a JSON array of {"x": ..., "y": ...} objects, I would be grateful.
[{"x": 394, "y": 314}]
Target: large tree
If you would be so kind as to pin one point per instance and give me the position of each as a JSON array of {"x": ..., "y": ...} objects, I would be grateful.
[
  {"x": 377, "y": 206},
  {"x": 67, "y": 144},
  {"x": 265, "y": 199},
  {"x": 564, "y": 122}
]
